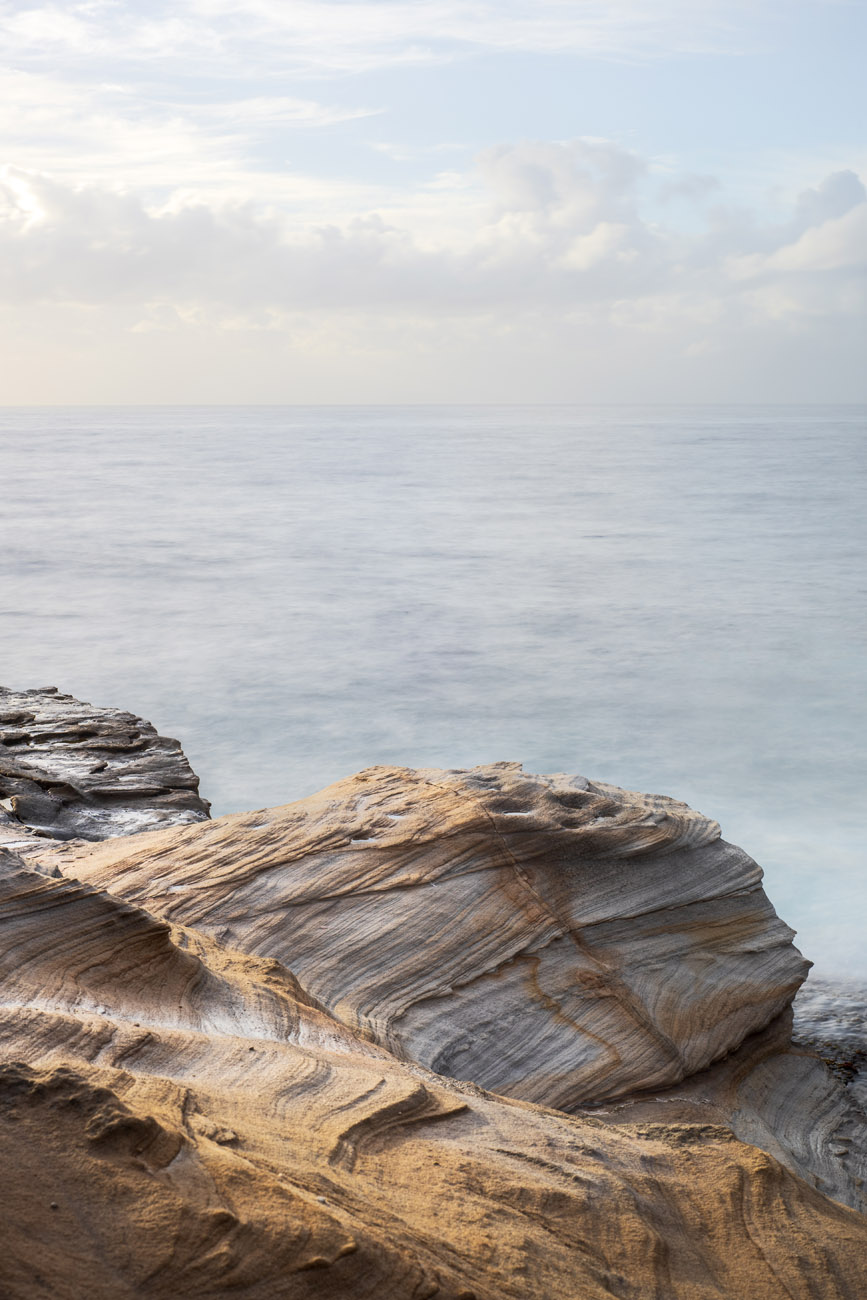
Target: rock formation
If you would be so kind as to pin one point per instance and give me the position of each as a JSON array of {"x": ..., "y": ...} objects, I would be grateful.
[
  {"x": 544, "y": 937},
  {"x": 426, "y": 1034},
  {"x": 68, "y": 770}
]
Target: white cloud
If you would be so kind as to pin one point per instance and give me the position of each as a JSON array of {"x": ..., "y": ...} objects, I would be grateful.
[
  {"x": 608, "y": 241},
  {"x": 828, "y": 233},
  {"x": 210, "y": 95},
  {"x": 836, "y": 245},
  {"x": 108, "y": 135},
  {"x": 837, "y": 194},
  {"x": 540, "y": 245},
  {"x": 270, "y": 110}
]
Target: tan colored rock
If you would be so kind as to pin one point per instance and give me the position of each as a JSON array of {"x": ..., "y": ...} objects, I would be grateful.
[
  {"x": 228, "y": 1049},
  {"x": 776, "y": 1095},
  {"x": 548, "y": 938},
  {"x": 178, "y": 1120}
]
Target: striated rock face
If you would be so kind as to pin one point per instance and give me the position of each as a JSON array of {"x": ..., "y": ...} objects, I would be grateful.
[
  {"x": 455, "y": 1035},
  {"x": 548, "y": 938},
  {"x": 177, "y": 1120},
  {"x": 68, "y": 770},
  {"x": 777, "y": 1096}
]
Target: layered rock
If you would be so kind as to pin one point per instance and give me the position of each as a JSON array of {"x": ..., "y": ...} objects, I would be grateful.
[
  {"x": 549, "y": 938},
  {"x": 69, "y": 770},
  {"x": 778, "y": 1096},
  {"x": 177, "y": 1119},
  {"x": 315, "y": 1051}
]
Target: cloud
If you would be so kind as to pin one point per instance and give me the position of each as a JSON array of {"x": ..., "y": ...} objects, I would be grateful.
[
  {"x": 834, "y": 197},
  {"x": 690, "y": 187},
  {"x": 195, "y": 180},
  {"x": 270, "y": 110},
  {"x": 213, "y": 95},
  {"x": 554, "y": 227},
  {"x": 828, "y": 233},
  {"x": 347, "y": 36},
  {"x": 531, "y": 224},
  {"x": 109, "y": 135}
]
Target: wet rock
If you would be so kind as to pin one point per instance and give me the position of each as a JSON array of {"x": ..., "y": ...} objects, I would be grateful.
[
  {"x": 831, "y": 1018},
  {"x": 70, "y": 770}
]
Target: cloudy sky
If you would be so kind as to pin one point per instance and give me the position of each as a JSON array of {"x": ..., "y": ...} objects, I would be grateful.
[{"x": 433, "y": 200}]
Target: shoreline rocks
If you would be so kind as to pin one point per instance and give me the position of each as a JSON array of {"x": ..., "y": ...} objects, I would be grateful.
[
  {"x": 424, "y": 1035},
  {"x": 830, "y": 1018}
]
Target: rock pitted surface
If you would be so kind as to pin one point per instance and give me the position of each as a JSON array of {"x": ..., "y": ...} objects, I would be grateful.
[
  {"x": 228, "y": 1056},
  {"x": 68, "y": 770}
]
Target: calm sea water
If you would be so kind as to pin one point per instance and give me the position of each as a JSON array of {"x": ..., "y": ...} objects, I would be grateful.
[{"x": 671, "y": 599}]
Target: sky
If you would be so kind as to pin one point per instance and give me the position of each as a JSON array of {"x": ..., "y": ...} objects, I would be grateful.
[{"x": 433, "y": 201}]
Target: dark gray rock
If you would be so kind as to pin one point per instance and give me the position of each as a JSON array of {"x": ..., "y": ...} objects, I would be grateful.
[{"x": 70, "y": 770}]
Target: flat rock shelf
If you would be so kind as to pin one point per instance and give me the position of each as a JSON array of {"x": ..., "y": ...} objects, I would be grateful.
[{"x": 473, "y": 1035}]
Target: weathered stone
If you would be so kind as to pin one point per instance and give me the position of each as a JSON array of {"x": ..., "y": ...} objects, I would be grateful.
[
  {"x": 245, "y": 1055},
  {"x": 72, "y": 771},
  {"x": 831, "y": 1018},
  {"x": 203, "y": 1130},
  {"x": 548, "y": 938}
]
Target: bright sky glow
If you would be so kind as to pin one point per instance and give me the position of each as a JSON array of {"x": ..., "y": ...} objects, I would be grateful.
[{"x": 565, "y": 200}]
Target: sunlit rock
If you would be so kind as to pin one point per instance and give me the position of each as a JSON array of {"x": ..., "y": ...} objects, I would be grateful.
[
  {"x": 427, "y": 1035},
  {"x": 549, "y": 938}
]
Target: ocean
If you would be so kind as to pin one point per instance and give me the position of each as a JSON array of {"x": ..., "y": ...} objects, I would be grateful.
[{"x": 667, "y": 598}]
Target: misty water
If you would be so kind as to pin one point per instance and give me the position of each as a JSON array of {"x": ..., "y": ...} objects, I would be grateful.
[{"x": 670, "y": 599}]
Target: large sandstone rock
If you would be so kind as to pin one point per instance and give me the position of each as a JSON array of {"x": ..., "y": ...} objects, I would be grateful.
[
  {"x": 549, "y": 938},
  {"x": 328, "y": 1050},
  {"x": 177, "y": 1119}
]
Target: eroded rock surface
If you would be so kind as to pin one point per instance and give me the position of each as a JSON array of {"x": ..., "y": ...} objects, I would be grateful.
[
  {"x": 177, "y": 1120},
  {"x": 778, "y": 1096},
  {"x": 300, "y": 1053},
  {"x": 549, "y": 938},
  {"x": 69, "y": 770}
]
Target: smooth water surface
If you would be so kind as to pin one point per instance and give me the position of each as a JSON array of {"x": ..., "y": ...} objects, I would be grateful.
[{"x": 671, "y": 599}]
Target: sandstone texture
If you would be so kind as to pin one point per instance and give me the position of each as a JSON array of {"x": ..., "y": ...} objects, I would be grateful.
[
  {"x": 545, "y": 937},
  {"x": 466, "y": 1035},
  {"x": 68, "y": 770}
]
